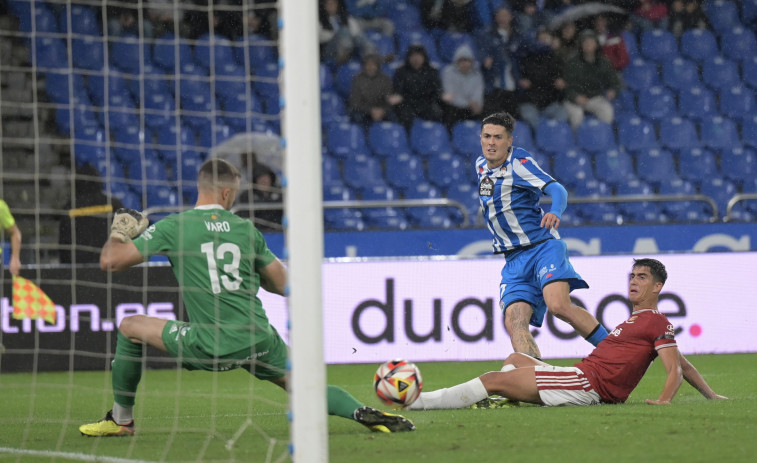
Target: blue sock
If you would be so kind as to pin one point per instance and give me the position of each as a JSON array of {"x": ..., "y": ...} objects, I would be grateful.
[{"x": 597, "y": 335}]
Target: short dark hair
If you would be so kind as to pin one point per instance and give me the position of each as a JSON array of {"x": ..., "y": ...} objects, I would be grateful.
[
  {"x": 504, "y": 119},
  {"x": 656, "y": 268},
  {"x": 217, "y": 172}
]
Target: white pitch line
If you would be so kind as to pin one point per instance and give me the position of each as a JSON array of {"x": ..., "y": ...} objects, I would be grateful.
[{"x": 68, "y": 455}]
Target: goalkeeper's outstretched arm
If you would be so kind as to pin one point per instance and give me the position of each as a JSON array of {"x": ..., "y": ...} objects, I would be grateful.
[{"x": 117, "y": 255}]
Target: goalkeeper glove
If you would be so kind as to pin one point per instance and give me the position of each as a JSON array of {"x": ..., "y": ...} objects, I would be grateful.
[{"x": 128, "y": 224}]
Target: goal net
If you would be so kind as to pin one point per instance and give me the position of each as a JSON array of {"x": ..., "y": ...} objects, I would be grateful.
[{"x": 117, "y": 103}]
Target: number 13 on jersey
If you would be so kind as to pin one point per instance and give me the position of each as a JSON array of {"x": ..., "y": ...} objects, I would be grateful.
[{"x": 230, "y": 279}]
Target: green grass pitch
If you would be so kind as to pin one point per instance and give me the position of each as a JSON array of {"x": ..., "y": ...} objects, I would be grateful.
[{"x": 191, "y": 416}]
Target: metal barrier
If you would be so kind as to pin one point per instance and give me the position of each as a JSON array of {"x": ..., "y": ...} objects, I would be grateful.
[{"x": 735, "y": 199}]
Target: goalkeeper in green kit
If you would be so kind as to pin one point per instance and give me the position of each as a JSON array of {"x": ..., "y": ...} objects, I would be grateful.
[{"x": 220, "y": 261}]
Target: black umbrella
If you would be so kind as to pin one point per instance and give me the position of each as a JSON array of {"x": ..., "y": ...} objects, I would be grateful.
[{"x": 578, "y": 12}]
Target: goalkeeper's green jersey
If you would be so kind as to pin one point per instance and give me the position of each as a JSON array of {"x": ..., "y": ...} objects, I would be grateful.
[{"x": 216, "y": 257}]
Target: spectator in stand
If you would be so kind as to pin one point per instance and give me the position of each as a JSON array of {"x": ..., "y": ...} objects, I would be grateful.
[
  {"x": 371, "y": 94},
  {"x": 499, "y": 45},
  {"x": 528, "y": 16},
  {"x": 612, "y": 42},
  {"x": 339, "y": 33},
  {"x": 90, "y": 213},
  {"x": 592, "y": 83},
  {"x": 371, "y": 14},
  {"x": 686, "y": 14},
  {"x": 418, "y": 88},
  {"x": 463, "y": 87},
  {"x": 651, "y": 14},
  {"x": 448, "y": 15},
  {"x": 541, "y": 83},
  {"x": 567, "y": 43}
]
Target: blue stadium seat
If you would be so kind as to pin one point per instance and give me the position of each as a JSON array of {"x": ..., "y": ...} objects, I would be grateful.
[
  {"x": 129, "y": 137},
  {"x": 656, "y": 103},
  {"x": 655, "y": 166},
  {"x": 405, "y": 38},
  {"x": 720, "y": 190},
  {"x": 197, "y": 110},
  {"x": 659, "y": 45},
  {"x": 640, "y": 74},
  {"x": 450, "y": 41},
  {"x": 78, "y": 119},
  {"x": 466, "y": 138},
  {"x": 676, "y": 187},
  {"x": 261, "y": 51},
  {"x": 116, "y": 85},
  {"x": 128, "y": 197},
  {"x": 90, "y": 146},
  {"x": 597, "y": 213},
  {"x": 632, "y": 45},
  {"x": 57, "y": 87},
  {"x": 326, "y": 78},
  {"x": 522, "y": 137},
  {"x": 613, "y": 167},
  {"x": 83, "y": 20},
  {"x": 344, "y": 77},
  {"x": 165, "y": 50},
  {"x": 749, "y": 72},
  {"x": 699, "y": 44},
  {"x": 680, "y": 74},
  {"x": 244, "y": 113},
  {"x": 44, "y": 22},
  {"x": 211, "y": 135},
  {"x": 49, "y": 53},
  {"x": 697, "y": 103},
  {"x": 573, "y": 167},
  {"x": 749, "y": 131},
  {"x": 173, "y": 140},
  {"x": 624, "y": 104},
  {"x": 595, "y": 136},
  {"x": 405, "y": 16},
  {"x": 332, "y": 109},
  {"x": 387, "y": 139},
  {"x": 121, "y": 111},
  {"x": 361, "y": 170},
  {"x": 431, "y": 218},
  {"x": 446, "y": 169},
  {"x": 689, "y": 212},
  {"x": 404, "y": 170},
  {"x": 719, "y": 73},
  {"x": 554, "y": 136},
  {"x": 159, "y": 110},
  {"x": 385, "y": 218},
  {"x": 738, "y": 102},
  {"x": 189, "y": 162},
  {"x": 738, "y": 44},
  {"x": 641, "y": 212},
  {"x": 749, "y": 11},
  {"x": 193, "y": 82},
  {"x": 222, "y": 51},
  {"x": 231, "y": 83},
  {"x": 88, "y": 52},
  {"x": 719, "y": 133},
  {"x": 337, "y": 191},
  {"x": 722, "y": 14},
  {"x": 343, "y": 140},
  {"x": 739, "y": 165},
  {"x": 164, "y": 196},
  {"x": 429, "y": 137},
  {"x": 382, "y": 44},
  {"x": 678, "y": 134},
  {"x": 467, "y": 195},
  {"x": 146, "y": 171},
  {"x": 697, "y": 164},
  {"x": 127, "y": 53},
  {"x": 330, "y": 170},
  {"x": 636, "y": 134},
  {"x": 343, "y": 220}
]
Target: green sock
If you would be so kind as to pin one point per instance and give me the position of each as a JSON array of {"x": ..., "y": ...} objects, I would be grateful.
[
  {"x": 126, "y": 371},
  {"x": 340, "y": 402}
]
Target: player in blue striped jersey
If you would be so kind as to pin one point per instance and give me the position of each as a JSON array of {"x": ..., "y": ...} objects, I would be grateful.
[{"x": 537, "y": 275}]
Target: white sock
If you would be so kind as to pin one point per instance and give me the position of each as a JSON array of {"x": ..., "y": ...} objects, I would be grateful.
[
  {"x": 122, "y": 415},
  {"x": 508, "y": 367},
  {"x": 460, "y": 396}
]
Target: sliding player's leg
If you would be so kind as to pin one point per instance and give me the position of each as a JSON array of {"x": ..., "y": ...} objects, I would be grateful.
[{"x": 126, "y": 373}]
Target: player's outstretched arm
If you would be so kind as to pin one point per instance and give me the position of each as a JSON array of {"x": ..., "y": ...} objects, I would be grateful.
[
  {"x": 273, "y": 277},
  {"x": 117, "y": 255},
  {"x": 670, "y": 360},
  {"x": 692, "y": 376}
]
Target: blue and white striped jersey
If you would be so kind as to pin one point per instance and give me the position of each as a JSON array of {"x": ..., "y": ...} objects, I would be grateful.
[{"x": 509, "y": 196}]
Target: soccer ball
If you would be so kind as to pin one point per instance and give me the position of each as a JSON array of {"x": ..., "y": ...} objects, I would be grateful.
[{"x": 398, "y": 383}]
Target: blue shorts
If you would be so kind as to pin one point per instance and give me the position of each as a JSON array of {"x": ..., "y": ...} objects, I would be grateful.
[{"x": 527, "y": 272}]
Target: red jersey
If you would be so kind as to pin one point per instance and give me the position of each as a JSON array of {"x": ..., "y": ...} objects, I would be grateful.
[{"x": 618, "y": 363}]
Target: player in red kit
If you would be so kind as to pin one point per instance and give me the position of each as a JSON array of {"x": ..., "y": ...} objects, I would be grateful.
[{"x": 607, "y": 375}]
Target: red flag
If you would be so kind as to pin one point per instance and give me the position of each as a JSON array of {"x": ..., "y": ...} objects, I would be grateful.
[{"x": 31, "y": 302}]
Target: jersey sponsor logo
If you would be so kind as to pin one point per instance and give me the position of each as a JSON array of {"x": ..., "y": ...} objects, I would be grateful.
[
  {"x": 632, "y": 319},
  {"x": 147, "y": 234},
  {"x": 218, "y": 226},
  {"x": 616, "y": 332},
  {"x": 486, "y": 188}
]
